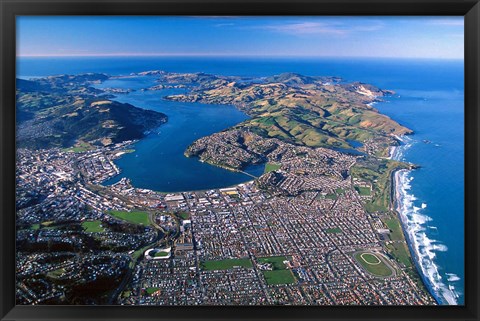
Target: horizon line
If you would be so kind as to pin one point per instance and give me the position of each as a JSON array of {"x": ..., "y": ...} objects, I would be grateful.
[{"x": 126, "y": 55}]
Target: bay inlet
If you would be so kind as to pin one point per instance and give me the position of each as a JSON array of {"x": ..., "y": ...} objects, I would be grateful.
[{"x": 158, "y": 162}]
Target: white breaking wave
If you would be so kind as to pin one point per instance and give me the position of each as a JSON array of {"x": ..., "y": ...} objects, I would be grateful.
[
  {"x": 415, "y": 224},
  {"x": 452, "y": 277},
  {"x": 399, "y": 151}
]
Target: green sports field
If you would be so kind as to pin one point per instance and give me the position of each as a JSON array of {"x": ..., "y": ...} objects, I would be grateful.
[
  {"x": 363, "y": 191},
  {"x": 270, "y": 167},
  {"x": 333, "y": 230},
  {"x": 93, "y": 226},
  {"x": 279, "y": 274},
  {"x": 279, "y": 277},
  {"x": 400, "y": 252},
  {"x": 373, "y": 264},
  {"x": 135, "y": 217},
  {"x": 226, "y": 264},
  {"x": 152, "y": 290},
  {"x": 161, "y": 254},
  {"x": 276, "y": 261}
]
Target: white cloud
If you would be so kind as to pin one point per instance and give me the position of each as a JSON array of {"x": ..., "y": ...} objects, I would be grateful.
[
  {"x": 220, "y": 25},
  {"x": 312, "y": 28},
  {"x": 305, "y": 28},
  {"x": 456, "y": 22}
]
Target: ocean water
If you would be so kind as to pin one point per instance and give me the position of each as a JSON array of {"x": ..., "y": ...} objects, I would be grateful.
[
  {"x": 158, "y": 162},
  {"x": 432, "y": 197},
  {"x": 429, "y": 100}
]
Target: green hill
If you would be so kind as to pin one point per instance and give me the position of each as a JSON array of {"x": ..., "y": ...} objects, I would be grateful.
[
  {"x": 59, "y": 111},
  {"x": 308, "y": 111}
]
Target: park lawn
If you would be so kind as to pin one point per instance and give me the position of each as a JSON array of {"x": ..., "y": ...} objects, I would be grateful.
[
  {"x": 77, "y": 149},
  {"x": 276, "y": 261},
  {"x": 56, "y": 273},
  {"x": 35, "y": 226},
  {"x": 226, "y": 264},
  {"x": 394, "y": 225},
  {"x": 93, "y": 226},
  {"x": 184, "y": 215},
  {"x": 400, "y": 252},
  {"x": 80, "y": 147},
  {"x": 276, "y": 277},
  {"x": 339, "y": 191},
  {"x": 270, "y": 167},
  {"x": 363, "y": 191},
  {"x": 377, "y": 269},
  {"x": 372, "y": 207},
  {"x": 333, "y": 230},
  {"x": 47, "y": 225},
  {"x": 151, "y": 290},
  {"x": 135, "y": 217},
  {"x": 379, "y": 173}
]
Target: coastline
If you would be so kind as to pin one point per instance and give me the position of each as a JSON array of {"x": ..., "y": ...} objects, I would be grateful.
[
  {"x": 413, "y": 229},
  {"x": 396, "y": 207}
]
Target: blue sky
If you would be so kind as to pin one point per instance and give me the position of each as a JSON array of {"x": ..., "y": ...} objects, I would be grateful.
[{"x": 375, "y": 36}]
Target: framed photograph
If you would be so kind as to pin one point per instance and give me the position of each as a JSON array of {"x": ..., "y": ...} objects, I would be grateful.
[{"x": 239, "y": 160}]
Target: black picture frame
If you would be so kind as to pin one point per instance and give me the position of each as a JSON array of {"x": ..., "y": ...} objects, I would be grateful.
[{"x": 470, "y": 9}]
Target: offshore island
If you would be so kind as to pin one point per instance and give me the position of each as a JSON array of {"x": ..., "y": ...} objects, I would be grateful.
[{"x": 318, "y": 227}]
